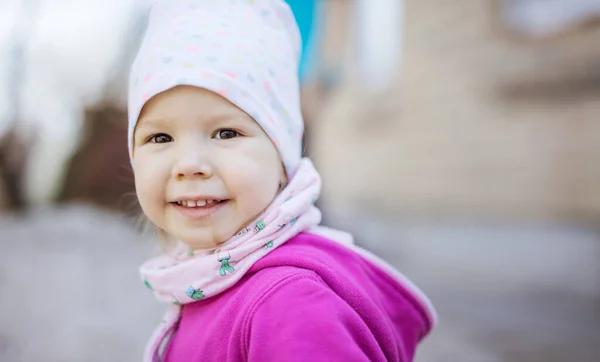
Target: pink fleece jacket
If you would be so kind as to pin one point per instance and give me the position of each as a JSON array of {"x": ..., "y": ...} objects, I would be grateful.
[{"x": 311, "y": 299}]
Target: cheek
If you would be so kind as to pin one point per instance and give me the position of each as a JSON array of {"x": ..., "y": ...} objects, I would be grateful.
[
  {"x": 253, "y": 197},
  {"x": 254, "y": 178},
  {"x": 252, "y": 181},
  {"x": 147, "y": 185}
]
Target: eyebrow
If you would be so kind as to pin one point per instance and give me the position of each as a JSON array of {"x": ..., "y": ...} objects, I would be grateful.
[
  {"x": 236, "y": 118},
  {"x": 152, "y": 122}
]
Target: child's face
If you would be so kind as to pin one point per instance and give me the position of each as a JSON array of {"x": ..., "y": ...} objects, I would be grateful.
[{"x": 193, "y": 145}]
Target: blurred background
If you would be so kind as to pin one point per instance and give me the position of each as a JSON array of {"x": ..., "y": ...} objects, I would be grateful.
[{"x": 459, "y": 140}]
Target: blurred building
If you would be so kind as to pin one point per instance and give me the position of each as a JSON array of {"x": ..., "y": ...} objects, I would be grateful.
[{"x": 484, "y": 120}]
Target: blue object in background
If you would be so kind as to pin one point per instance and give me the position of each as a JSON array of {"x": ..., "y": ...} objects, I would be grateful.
[{"x": 305, "y": 12}]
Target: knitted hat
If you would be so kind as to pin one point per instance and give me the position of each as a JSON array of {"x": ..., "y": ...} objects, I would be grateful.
[{"x": 245, "y": 50}]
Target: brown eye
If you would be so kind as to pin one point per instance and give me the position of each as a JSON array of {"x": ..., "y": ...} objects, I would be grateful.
[
  {"x": 161, "y": 138},
  {"x": 226, "y": 134}
]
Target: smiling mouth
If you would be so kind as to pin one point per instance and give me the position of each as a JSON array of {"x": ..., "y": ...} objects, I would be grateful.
[
  {"x": 199, "y": 203},
  {"x": 199, "y": 209}
]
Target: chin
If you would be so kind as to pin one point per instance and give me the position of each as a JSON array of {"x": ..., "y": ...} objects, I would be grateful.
[{"x": 200, "y": 240}]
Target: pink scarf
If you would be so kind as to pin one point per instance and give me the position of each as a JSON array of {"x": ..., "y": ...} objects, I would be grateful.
[{"x": 185, "y": 276}]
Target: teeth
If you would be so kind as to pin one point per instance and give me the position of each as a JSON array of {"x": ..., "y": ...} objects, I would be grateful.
[{"x": 199, "y": 203}]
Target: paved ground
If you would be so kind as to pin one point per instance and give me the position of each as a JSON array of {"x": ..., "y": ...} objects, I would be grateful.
[
  {"x": 518, "y": 293},
  {"x": 69, "y": 288}
]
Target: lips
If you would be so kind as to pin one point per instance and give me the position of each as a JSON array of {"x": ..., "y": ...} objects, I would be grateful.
[
  {"x": 198, "y": 203},
  {"x": 201, "y": 208}
]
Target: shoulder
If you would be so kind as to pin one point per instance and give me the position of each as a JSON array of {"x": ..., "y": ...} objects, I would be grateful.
[
  {"x": 295, "y": 275},
  {"x": 280, "y": 282},
  {"x": 272, "y": 282},
  {"x": 299, "y": 317},
  {"x": 301, "y": 294},
  {"x": 306, "y": 251},
  {"x": 285, "y": 269},
  {"x": 285, "y": 265}
]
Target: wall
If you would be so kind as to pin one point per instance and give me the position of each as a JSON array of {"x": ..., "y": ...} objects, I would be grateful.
[{"x": 479, "y": 126}]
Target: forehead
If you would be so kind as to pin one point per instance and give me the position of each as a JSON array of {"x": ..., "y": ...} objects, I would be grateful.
[{"x": 188, "y": 102}]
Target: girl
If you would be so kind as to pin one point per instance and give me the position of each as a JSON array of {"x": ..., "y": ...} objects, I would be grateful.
[{"x": 215, "y": 134}]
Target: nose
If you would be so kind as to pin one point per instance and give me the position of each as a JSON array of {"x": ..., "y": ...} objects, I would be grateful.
[{"x": 192, "y": 162}]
